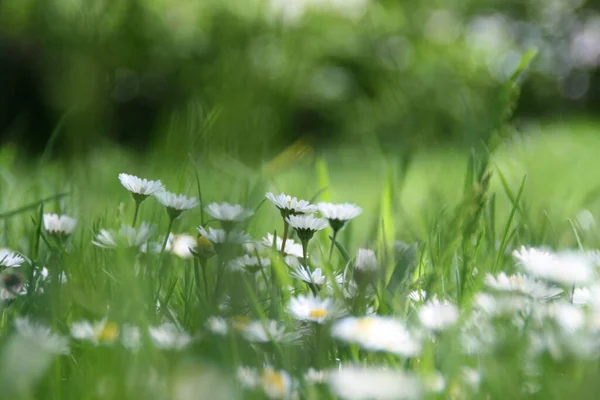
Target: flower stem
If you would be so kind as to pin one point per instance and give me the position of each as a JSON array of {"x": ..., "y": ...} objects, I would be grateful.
[
  {"x": 305, "y": 252},
  {"x": 164, "y": 246},
  {"x": 286, "y": 229},
  {"x": 135, "y": 213},
  {"x": 332, "y": 244}
]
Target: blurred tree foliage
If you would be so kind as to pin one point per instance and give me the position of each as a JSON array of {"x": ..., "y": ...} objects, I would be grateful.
[{"x": 247, "y": 77}]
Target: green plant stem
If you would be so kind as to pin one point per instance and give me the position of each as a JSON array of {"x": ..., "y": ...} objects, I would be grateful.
[
  {"x": 163, "y": 247},
  {"x": 333, "y": 238},
  {"x": 135, "y": 213},
  {"x": 286, "y": 229}
]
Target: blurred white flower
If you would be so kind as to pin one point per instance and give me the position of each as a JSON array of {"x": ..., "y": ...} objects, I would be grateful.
[
  {"x": 275, "y": 384},
  {"x": 139, "y": 186},
  {"x": 289, "y": 205},
  {"x": 366, "y": 260},
  {"x": 471, "y": 377},
  {"x": 418, "y": 295},
  {"x": 10, "y": 259},
  {"x": 585, "y": 220},
  {"x": 59, "y": 224},
  {"x": 377, "y": 333},
  {"x": 248, "y": 263},
  {"x": 228, "y": 212},
  {"x": 315, "y": 376},
  {"x": 521, "y": 284},
  {"x": 315, "y": 277},
  {"x": 434, "y": 382},
  {"x": 311, "y": 308},
  {"x": 438, "y": 315},
  {"x": 291, "y": 248},
  {"x": 569, "y": 268},
  {"x": 41, "y": 336},
  {"x": 217, "y": 325},
  {"x": 131, "y": 337},
  {"x": 265, "y": 331},
  {"x": 339, "y": 214},
  {"x": 126, "y": 237},
  {"x": 218, "y": 236},
  {"x": 175, "y": 204},
  {"x": 566, "y": 315},
  {"x": 351, "y": 382},
  {"x": 182, "y": 245},
  {"x": 247, "y": 376},
  {"x": 500, "y": 304},
  {"x": 167, "y": 336},
  {"x": 100, "y": 332}
]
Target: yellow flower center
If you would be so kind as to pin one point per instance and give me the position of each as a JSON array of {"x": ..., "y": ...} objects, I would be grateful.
[
  {"x": 274, "y": 380},
  {"x": 239, "y": 322},
  {"x": 318, "y": 313},
  {"x": 204, "y": 243},
  {"x": 364, "y": 326},
  {"x": 108, "y": 333}
]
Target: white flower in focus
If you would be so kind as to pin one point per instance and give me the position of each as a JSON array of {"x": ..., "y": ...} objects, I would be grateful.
[
  {"x": 378, "y": 334},
  {"x": 522, "y": 284},
  {"x": 351, "y": 382},
  {"x": 41, "y": 336},
  {"x": 275, "y": 384},
  {"x": 100, "y": 332},
  {"x": 139, "y": 186},
  {"x": 228, "y": 212},
  {"x": 59, "y": 224},
  {"x": 10, "y": 259},
  {"x": 218, "y": 236},
  {"x": 168, "y": 337},
  {"x": 308, "y": 223},
  {"x": 248, "y": 263},
  {"x": 289, "y": 205},
  {"x": 339, "y": 214},
  {"x": 176, "y": 204},
  {"x": 126, "y": 237},
  {"x": 217, "y": 325},
  {"x": 291, "y": 248},
  {"x": 311, "y": 308},
  {"x": 569, "y": 268},
  {"x": 315, "y": 277},
  {"x": 437, "y": 316},
  {"x": 182, "y": 245}
]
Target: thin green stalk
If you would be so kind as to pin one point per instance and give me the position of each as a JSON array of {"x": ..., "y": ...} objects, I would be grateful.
[
  {"x": 135, "y": 213},
  {"x": 333, "y": 238},
  {"x": 286, "y": 229}
]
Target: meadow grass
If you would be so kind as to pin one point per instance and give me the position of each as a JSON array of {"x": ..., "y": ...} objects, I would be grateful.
[{"x": 423, "y": 313}]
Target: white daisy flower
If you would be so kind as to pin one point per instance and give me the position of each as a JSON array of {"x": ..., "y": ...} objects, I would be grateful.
[
  {"x": 292, "y": 262},
  {"x": 418, "y": 295},
  {"x": 351, "y": 382},
  {"x": 291, "y": 248},
  {"x": 289, "y": 205},
  {"x": 263, "y": 331},
  {"x": 437, "y": 316},
  {"x": 175, "y": 204},
  {"x": 247, "y": 376},
  {"x": 141, "y": 187},
  {"x": 500, "y": 305},
  {"x": 41, "y": 336},
  {"x": 311, "y": 308},
  {"x": 167, "y": 336},
  {"x": 339, "y": 214},
  {"x": 248, "y": 263},
  {"x": 131, "y": 337},
  {"x": 100, "y": 332},
  {"x": 366, "y": 260},
  {"x": 217, "y": 325},
  {"x": 10, "y": 259},
  {"x": 275, "y": 384},
  {"x": 306, "y": 223},
  {"x": 182, "y": 245},
  {"x": 378, "y": 334},
  {"x": 126, "y": 237},
  {"x": 59, "y": 224},
  {"x": 228, "y": 212},
  {"x": 315, "y": 277},
  {"x": 219, "y": 236},
  {"x": 569, "y": 268},
  {"x": 315, "y": 376},
  {"x": 521, "y": 284}
]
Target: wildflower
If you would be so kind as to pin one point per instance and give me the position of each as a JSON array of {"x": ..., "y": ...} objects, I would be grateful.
[
  {"x": 219, "y": 236},
  {"x": 362, "y": 383},
  {"x": 306, "y": 225},
  {"x": 291, "y": 248},
  {"x": 140, "y": 188},
  {"x": 418, "y": 295},
  {"x": 126, "y": 237},
  {"x": 42, "y": 336},
  {"x": 62, "y": 225},
  {"x": 500, "y": 304},
  {"x": 569, "y": 268},
  {"x": 182, "y": 245},
  {"x": 338, "y": 214},
  {"x": 131, "y": 337},
  {"x": 437, "y": 315},
  {"x": 365, "y": 266},
  {"x": 175, "y": 204},
  {"x": 311, "y": 308},
  {"x": 101, "y": 332},
  {"x": 288, "y": 205},
  {"x": 522, "y": 284},
  {"x": 217, "y": 325},
  {"x": 275, "y": 384},
  {"x": 10, "y": 259},
  {"x": 248, "y": 263},
  {"x": 378, "y": 334},
  {"x": 263, "y": 331},
  {"x": 228, "y": 214},
  {"x": 314, "y": 376},
  {"x": 315, "y": 277},
  {"x": 168, "y": 336},
  {"x": 247, "y": 376}
]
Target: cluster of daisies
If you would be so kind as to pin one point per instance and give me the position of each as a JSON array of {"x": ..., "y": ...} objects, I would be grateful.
[{"x": 287, "y": 291}]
